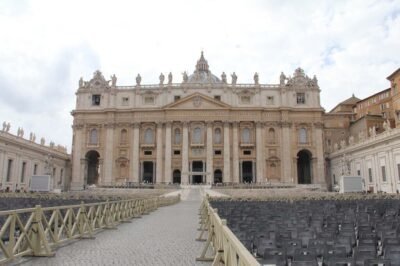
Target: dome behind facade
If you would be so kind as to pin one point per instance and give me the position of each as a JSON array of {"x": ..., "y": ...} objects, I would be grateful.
[{"x": 202, "y": 74}]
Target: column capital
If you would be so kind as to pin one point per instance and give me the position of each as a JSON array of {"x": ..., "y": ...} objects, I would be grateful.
[
  {"x": 159, "y": 124},
  {"x": 285, "y": 124},
  {"x": 135, "y": 125},
  {"x": 226, "y": 123},
  {"x": 168, "y": 123},
  {"x": 319, "y": 125},
  {"x": 185, "y": 123},
  {"x": 209, "y": 123},
  {"x": 235, "y": 123},
  {"x": 259, "y": 124}
]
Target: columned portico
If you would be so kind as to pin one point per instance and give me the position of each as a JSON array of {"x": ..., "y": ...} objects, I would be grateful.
[
  {"x": 210, "y": 167},
  {"x": 227, "y": 154},
  {"x": 185, "y": 154}
]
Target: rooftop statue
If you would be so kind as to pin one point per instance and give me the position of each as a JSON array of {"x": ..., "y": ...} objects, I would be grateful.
[
  {"x": 170, "y": 78},
  {"x": 162, "y": 77},
  {"x": 282, "y": 79},
  {"x": 223, "y": 77},
  {"x": 4, "y": 126},
  {"x": 42, "y": 141},
  {"x": 185, "y": 77},
  {"x": 138, "y": 79},
  {"x": 8, "y": 127},
  {"x": 81, "y": 82},
  {"x": 113, "y": 80},
  {"x": 234, "y": 78},
  {"x": 256, "y": 78}
]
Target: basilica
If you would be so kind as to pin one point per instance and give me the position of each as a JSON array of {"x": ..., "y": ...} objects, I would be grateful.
[{"x": 201, "y": 129}]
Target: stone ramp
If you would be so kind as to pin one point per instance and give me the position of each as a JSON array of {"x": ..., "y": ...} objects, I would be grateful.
[{"x": 164, "y": 237}]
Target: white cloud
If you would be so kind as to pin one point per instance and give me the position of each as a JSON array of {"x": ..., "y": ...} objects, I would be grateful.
[{"x": 47, "y": 45}]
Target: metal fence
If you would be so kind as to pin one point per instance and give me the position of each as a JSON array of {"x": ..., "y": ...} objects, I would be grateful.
[
  {"x": 226, "y": 249},
  {"x": 36, "y": 231}
]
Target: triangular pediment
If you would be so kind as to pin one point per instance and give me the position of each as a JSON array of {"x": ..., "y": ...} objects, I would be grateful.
[{"x": 197, "y": 101}]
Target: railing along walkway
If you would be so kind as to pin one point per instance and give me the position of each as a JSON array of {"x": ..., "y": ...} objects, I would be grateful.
[
  {"x": 225, "y": 247},
  {"x": 37, "y": 231}
]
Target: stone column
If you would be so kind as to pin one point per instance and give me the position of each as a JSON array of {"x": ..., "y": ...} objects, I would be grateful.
[
  {"x": 235, "y": 148},
  {"x": 260, "y": 153},
  {"x": 210, "y": 167},
  {"x": 135, "y": 153},
  {"x": 159, "y": 155},
  {"x": 185, "y": 154},
  {"x": 320, "y": 178},
  {"x": 227, "y": 154},
  {"x": 286, "y": 154},
  {"x": 168, "y": 151},
  {"x": 108, "y": 154},
  {"x": 77, "y": 176}
]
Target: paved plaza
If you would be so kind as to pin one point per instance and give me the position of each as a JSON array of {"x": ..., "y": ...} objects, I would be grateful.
[{"x": 164, "y": 237}]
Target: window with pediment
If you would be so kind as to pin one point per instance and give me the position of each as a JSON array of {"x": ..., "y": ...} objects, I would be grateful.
[
  {"x": 177, "y": 136},
  {"x": 217, "y": 136},
  {"x": 196, "y": 135},
  {"x": 123, "y": 137},
  {"x": 271, "y": 135},
  {"x": 149, "y": 136},
  {"x": 246, "y": 135},
  {"x": 93, "y": 136}
]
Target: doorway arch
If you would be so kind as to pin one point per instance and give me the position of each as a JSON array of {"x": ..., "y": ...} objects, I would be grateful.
[
  {"x": 217, "y": 176},
  {"x": 304, "y": 168},
  {"x": 92, "y": 160},
  {"x": 176, "y": 177}
]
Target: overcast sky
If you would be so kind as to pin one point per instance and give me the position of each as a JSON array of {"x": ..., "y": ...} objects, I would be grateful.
[{"x": 46, "y": 46}]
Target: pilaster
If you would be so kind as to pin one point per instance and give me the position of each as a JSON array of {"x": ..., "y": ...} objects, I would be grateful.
[
  {"x": 259, "y": 152},
  {"x": 210, "y": 167},
  {"x": 159, "y": 157},
  {"x": 227, "y": 159},
  {"x": 235, "y": 148},
  {"x": 168, "y": 153},
  {"x": 185, "y": 162}
]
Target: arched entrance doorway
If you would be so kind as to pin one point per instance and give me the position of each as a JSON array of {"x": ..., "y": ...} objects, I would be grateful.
[
  {"x": 217, "y": 176},
  {"x": 304, "y": 167},
  {"x": 176, "y": 177},
  {"x": 92, "y": 160}
]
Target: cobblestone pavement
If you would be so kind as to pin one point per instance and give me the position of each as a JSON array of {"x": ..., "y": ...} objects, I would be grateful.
[{"x": 164, "y": 237}]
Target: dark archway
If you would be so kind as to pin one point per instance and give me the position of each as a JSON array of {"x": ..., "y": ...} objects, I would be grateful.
[
  {"x": 148, "y": 172},
  {"x": 217, "y": 176},
  {"x": 176, "y": 177},
  {"x": 247, "y": 171},
  {"x": 92, "y": 159},
  {"x": 197, "y": 166},
  {"x": 304, "y": 173}
]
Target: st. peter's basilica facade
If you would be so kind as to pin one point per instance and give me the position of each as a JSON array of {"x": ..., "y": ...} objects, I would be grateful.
[{"x": 200, "y": 130}]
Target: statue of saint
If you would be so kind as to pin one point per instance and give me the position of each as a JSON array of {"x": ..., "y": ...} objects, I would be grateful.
[
  {"x": 113, "y": 80},
  {"x": 4, "y": 126},
  {"x": 223, "y": 77},
  {"x": 81, "y": 82},
  {"x": 256, "y": 78},
  {"x": 162, "y": 77},
  {"x": 170, "y": 78},
  {"x": 22, "y": 132},
  {"x": 33, "y": 138},
  {"x": 282, "y": 79},
  {"x": 19, "y": 132},
  {"x": 42, "y": 141},
  {"x": 138, "y": 79},
  {"x": 234, "y": 78},
  {"x": 8, "y": 127},
  {"x": 185, "y": 77}
]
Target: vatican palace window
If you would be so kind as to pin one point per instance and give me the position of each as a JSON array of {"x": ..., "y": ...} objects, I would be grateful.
[
  {"x": 93, "y": 137},
  {"x": 148, "y": 136},
  {"x": 217, "y": 97},
  {"x": 246, "y": 135},
  {"x": 302, "y": 135},
  {"x": 245, "y": 99},
  {"x": 301, "y": 98},
  {"x": 148, "y": 100},
  {"x": 196, "y": 136},
  {"x": 217, "y": 136},
  {"x": 125, "y": 101},
  {"x": 177, "y": 137},
  {"x": 96, "y": 99},
  {"x": 270, "y": 100}
]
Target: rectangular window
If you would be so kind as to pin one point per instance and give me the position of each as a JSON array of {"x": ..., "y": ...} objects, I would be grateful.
[
  {"x": 370, "y": 175},
  {"x": 270, "y": 100},
  {"x": 217, "y": 152},
  {"x": 177, "y": 97},
  {"x": 148, "y": 152},
  {"x": 125, "y": 101},
  {"x": 61, "y": 175},
  {"x": 35, "y": 167},
  {"x": 301, "y": 98},
  {"x": 9, "y": 170},
  {"x": 148, "y": 100},
  {"x": 246, "y": 152},
  {"x": 96, "y": 99},
  {"x": 358, "y": 172},
  {"x": 398, "y": 170},
  {"x": 383, "y": 173},
  {"x": 217, "y": 97},
  {"x": 23, "y": 172},
  {"x": 177, "y": 152},
  {"x": 54, "y": 172}
]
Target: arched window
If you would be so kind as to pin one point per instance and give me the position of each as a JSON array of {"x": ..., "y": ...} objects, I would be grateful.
[
  {"x": 246, "y": 135},
  {"x": 148, "y": 136},
  {"x": 271, "y": 135},
  {"x": 197, "y": 135},
  {"x": 217, "y": 136},
  {"x": 93, "y": 138},
  {"x": 177, "y": 136},
  {"x": 124, "y": 134},
  {"x": 302, "y": 135}
]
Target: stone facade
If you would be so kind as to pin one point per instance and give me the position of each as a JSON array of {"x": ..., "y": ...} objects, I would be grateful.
[
  {"x": 200, "y": 130},
  {"x": 20, "y": 158}
]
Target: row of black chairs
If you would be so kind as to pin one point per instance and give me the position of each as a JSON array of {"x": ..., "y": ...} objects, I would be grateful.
[{"x": 317, "y": 232}]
